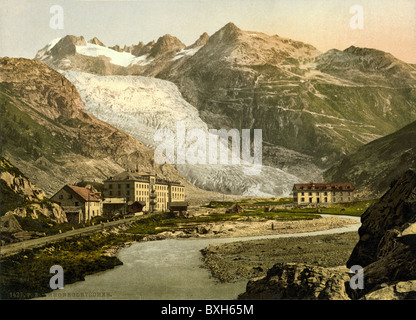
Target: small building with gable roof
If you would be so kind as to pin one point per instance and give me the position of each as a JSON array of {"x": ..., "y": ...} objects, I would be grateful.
[{"x": 80, "y": 204}]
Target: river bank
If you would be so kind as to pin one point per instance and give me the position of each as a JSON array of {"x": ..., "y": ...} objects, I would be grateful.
[
  {"x": 246, "y": 227},
  {"x": 244, "y": 260}
]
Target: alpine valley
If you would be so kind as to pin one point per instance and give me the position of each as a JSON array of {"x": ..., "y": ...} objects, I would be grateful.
[{"x": 102, "y": 106}]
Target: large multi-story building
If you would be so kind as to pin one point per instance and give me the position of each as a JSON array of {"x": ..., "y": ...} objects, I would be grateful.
[
  {"x": 322, "y": 193},
  {"x": 153, "y": 193}
]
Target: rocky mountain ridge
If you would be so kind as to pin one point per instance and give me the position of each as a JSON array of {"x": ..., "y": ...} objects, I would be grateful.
[{"x": 321, "y": 106}]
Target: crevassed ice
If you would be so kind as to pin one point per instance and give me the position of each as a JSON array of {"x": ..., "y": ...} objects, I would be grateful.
[{"x": 140, "y": 105}]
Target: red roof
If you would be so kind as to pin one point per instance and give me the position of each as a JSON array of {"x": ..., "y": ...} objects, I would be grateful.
[
  {"x": 345, "y": 186},
  {"x": 85, "y": 194}
]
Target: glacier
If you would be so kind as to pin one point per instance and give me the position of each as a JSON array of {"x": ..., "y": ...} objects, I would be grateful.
[
  {"x": 140, "y": 106},
  {"x": 123, "y": 59}
]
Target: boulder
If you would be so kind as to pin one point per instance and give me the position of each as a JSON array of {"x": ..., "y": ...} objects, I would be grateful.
[
  {"x": 403, "y": 290},
  {"x": 9, "y": 223},
  {"x": 298, "y": 281}
]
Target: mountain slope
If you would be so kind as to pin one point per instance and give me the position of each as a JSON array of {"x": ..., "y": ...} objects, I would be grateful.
[
  {"x": 75, "y": 53},
  {"x": 303, "y": 100},
  {"x": 46, "y": 132},
  {"x": 373, "y": 166}
]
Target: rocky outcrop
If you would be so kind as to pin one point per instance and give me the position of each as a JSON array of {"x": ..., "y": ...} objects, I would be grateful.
[
  {"x": 404, "y": 290},
  {"x": 298, "y": 281},
  {"x": 33, "y": 200},
  {"x": 67, "y": 46},
  {"x": 142, "y": 49},
  {"x": 202, "y": 40},
  {"x": 9, "y": 223},
  {"x": 23, "y": 187},
  {"x": 387, "y": 245},
  {"x": 35, "y": 210},
  {"x": 165, "y": 44},
  {"x": 96, "y": 41}
]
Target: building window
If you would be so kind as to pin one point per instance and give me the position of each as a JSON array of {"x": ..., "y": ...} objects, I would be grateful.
[
  {"x": 111, "y": 193},
  {"x": 310, "y": 193},
  {"x": 310, "y": 200},
  {"x": 76, "y": 203},
  {"x": 326, "y": 199},
  {"x": 110, "y": 186},
  {"x": 119, "y": 186}
]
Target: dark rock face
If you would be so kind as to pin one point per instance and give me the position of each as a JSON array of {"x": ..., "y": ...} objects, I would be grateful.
[
  {"x": 385, "y": 220},
  {"x": 96, "y": 41},
  {"x": 165, "y": 44},
  {"x": 387, "y": 245},
  {"x": 67, "y": 46},
  {"x": 298, "y": 281},
  {"x": 142, "y": 49}
]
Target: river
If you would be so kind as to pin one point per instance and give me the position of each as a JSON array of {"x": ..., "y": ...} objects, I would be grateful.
[{"x": 170, "y": 269}]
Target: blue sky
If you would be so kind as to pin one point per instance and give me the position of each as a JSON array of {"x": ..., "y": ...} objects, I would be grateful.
[{"x": 388, "y": 25}]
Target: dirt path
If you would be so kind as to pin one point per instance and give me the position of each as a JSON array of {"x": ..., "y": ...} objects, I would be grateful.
[{"x": 250, "y": 226}]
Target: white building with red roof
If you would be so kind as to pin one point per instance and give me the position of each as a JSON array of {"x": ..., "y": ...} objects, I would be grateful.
[
  {"x": 322, "y": 193},
  {"x": 80, "y": 204}
]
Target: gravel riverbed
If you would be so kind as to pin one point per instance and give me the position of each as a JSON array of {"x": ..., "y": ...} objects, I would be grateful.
[{"x": 249, "y": 259}]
